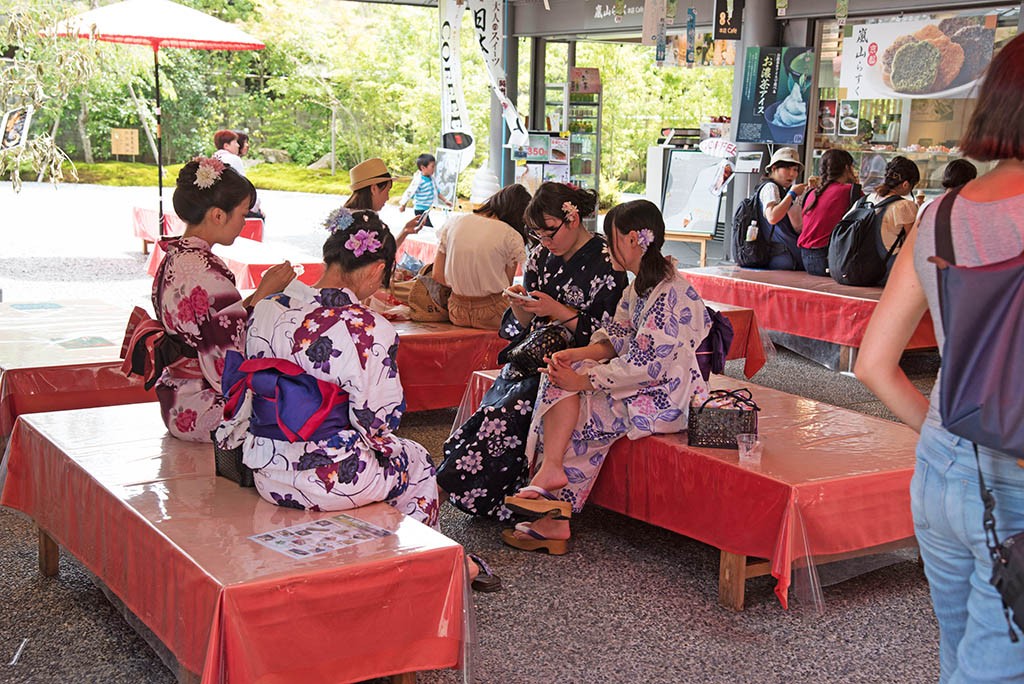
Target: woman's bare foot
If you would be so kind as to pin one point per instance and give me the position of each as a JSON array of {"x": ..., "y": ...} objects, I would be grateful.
[
  {"x": 550, "y": 479},
  {"x": 548, "y": 527}
]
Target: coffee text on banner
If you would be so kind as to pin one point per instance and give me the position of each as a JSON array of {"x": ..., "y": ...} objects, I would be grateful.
[{"x": 456, "y": 133}]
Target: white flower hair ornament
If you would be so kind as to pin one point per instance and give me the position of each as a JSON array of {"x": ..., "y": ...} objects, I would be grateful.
[
  {"x": 339, "y": 219},
  {"x": 570, "y": 210},
  {"x": 208, "y": 173},
  {"x": 645, "y": 238},
  {"x": 362, "y": 242}
]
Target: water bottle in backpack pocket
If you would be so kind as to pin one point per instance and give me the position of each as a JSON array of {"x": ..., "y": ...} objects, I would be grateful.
[
  {"x": 856, "y": 251},
  {"x": 751, "y": 248}
]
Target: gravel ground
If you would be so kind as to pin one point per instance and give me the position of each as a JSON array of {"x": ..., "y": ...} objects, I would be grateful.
[{"x": 629, "y": 603}]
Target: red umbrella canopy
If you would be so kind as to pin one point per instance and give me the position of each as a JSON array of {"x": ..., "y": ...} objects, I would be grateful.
[{"x": 158, "y": 23}]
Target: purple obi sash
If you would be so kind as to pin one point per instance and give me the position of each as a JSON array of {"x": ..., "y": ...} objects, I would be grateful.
[{"x": 288, "y": 403}]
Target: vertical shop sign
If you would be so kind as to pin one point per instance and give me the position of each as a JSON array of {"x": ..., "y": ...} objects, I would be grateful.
[
  {"x": 776, "y": 85},
  {"x": 654, "y": 21},
  {"x": 691, "y": 34},
  {"x": 842, "y": 12},
  {"x": 488, "y": 20},
  {"x": 728, "y": 19},
  {"x": 456, "y": 133}
]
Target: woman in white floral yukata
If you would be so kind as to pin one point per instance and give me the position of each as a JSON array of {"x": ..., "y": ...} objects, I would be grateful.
[
  {"x": 636, "y": 378},
  {"x": 317, "y": 396},
  {"x": 195, "y": 298}
]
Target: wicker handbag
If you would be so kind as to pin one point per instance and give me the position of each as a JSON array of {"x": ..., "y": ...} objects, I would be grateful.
[
  {"x": 717, "y": 426},
  {"x": 527, "y": 357},
  {"x": 229, "y": 464}
]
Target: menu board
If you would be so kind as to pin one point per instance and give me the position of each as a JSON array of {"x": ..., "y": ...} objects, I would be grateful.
[{"x": 693, "y": 191}]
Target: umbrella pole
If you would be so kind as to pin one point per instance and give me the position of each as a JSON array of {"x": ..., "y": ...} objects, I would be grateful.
[{"x": 159, "y": 140}]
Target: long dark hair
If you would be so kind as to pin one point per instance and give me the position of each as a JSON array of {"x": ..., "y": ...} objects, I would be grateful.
[
  {"x": 362, "y": 199},
  {"x": 335, "y": 251},
  {"x": 833, "y": 165},
  {"x": 509, "y": 206},
  {"x": 898, "y": 170},
  {"x": 957, "y": 173},
  {"x": 640, "y": 215},
  {"x": 996, "y": 128},
  {"x": 549, "y": 199},
  {"x": 191, "y": 202}
]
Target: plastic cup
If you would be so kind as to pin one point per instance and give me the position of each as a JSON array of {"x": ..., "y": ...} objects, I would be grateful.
[{"x": 750, "y": 448}]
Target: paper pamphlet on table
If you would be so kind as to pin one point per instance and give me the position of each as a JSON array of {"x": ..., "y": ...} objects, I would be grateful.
[{"x": 319, "y": 536}]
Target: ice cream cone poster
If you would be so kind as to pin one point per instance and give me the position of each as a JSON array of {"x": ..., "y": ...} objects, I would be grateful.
[
  {"x": 776, "y": 87},
  {"x": 917, "y": 59}
]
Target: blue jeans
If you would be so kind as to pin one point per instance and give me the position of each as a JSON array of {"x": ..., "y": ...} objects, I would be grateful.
[
  {"x": 815, "y": 260},
  {"x": 974, "y": 643}
]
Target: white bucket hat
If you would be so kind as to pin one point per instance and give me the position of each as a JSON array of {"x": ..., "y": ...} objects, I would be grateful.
[{"x": 785, "y": 155}]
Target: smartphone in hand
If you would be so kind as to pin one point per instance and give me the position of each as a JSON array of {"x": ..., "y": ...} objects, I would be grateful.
[{"x": 521, "y": 296}]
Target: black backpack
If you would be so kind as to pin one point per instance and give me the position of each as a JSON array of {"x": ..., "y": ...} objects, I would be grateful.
[
  {"x": 856, "y": 252},
  {"x": 754, "y": 253}
]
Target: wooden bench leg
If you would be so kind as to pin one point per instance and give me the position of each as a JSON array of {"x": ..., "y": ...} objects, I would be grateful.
[
  {"x": 145, "y": 247},
  {"x": 404, "y": 678},
  {"x": 732, "y": 579},
  {"x": 49, "y": 555},
  {"x": 703, "y": 253}
]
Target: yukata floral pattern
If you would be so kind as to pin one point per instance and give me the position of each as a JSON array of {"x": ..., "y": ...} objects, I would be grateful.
[
  {"x": 485, "y": 458},
  {"x": 195, "y": 298},
  {"x": 335, "y": 338},
  {"x": 645, "y": 389}
]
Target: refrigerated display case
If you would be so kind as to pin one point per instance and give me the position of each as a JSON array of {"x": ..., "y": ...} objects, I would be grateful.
[{"x": 584, "y": 125}]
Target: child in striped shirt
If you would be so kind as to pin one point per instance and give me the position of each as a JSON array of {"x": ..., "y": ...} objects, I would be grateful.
[{"x": 423, "y": 190}]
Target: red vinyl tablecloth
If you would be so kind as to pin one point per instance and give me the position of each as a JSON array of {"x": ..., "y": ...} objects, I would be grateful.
[
  {"x": 830, "y": 481},
  {"x": 145, "y": 222},
  {"x": 248, "y": 261},
  {"x": 145, "y": 513},
  {"x": 436, "y": 360},
  {"x": 62, "y": 355},
  {"x": 801, "y": 304}
]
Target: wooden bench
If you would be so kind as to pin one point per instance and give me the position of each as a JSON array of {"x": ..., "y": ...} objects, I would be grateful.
[
  {"x": 832, "y": 484},
  {"x": 144, "y": 513},
  {"x": 814, "y": 315},
  {"x": 700, "y": 239}
]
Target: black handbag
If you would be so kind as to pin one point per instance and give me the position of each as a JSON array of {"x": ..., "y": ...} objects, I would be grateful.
[
  {"x": 1007, "y": 560},
  {"x": 527, "y": 357}
]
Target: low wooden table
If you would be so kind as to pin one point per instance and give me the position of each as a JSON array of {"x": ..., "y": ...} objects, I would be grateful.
[
  {"x": 145, "y": 514},
  {"x": 700, "y": 239}
]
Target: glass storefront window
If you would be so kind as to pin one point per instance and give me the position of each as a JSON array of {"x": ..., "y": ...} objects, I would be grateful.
[{"x": 877, "y": 98}]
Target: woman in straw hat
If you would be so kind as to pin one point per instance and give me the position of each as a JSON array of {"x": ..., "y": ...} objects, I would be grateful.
[{"x": 371, "y": 186}]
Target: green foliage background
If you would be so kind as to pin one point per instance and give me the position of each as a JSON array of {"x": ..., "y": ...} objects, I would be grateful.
[{"x": 373, "y": 65}]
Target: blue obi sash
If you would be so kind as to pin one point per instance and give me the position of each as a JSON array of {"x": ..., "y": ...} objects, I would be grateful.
[{"x": 288, "y": 403}]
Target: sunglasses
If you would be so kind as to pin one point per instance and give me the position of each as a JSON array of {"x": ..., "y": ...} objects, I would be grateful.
[{"x": 546, "y": 235}]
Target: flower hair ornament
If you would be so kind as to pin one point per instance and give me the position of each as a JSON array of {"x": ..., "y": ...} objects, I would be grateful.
[
  {"x": 644, "y": 238},
  {"x": 362, "y": 242},
  {"x": 339, "y": 219},
  {"x": 570, "y": 210},
  {"x": 208, "y": 173}
]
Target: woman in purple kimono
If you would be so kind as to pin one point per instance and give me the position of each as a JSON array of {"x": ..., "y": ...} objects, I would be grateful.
[
  {"x": 636, "y": 378},
  {"x": 195, "y": 298}
]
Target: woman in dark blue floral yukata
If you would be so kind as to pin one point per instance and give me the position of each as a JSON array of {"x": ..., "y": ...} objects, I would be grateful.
[
  {"x": 571, "y": 276},
  {"x": 317, "y": 396}
]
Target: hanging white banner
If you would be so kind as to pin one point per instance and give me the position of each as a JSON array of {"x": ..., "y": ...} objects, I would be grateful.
[
  {"x": 488, "y": 20},
  {"x": 455, "y": 130}
]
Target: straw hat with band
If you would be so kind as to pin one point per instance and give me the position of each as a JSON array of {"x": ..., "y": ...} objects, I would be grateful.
[
  {"x": 784, "y": 155},
  {"x": 370, "y": 172}
]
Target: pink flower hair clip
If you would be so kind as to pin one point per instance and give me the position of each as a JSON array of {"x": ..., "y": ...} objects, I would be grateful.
[
  {"x": 208, "y": 173},
  {"x": 362, "y": 242},
  {"x": 570, "y": 210},
  {"x": 339, "y": 219},
  {"x": 644, "y": 238}
]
